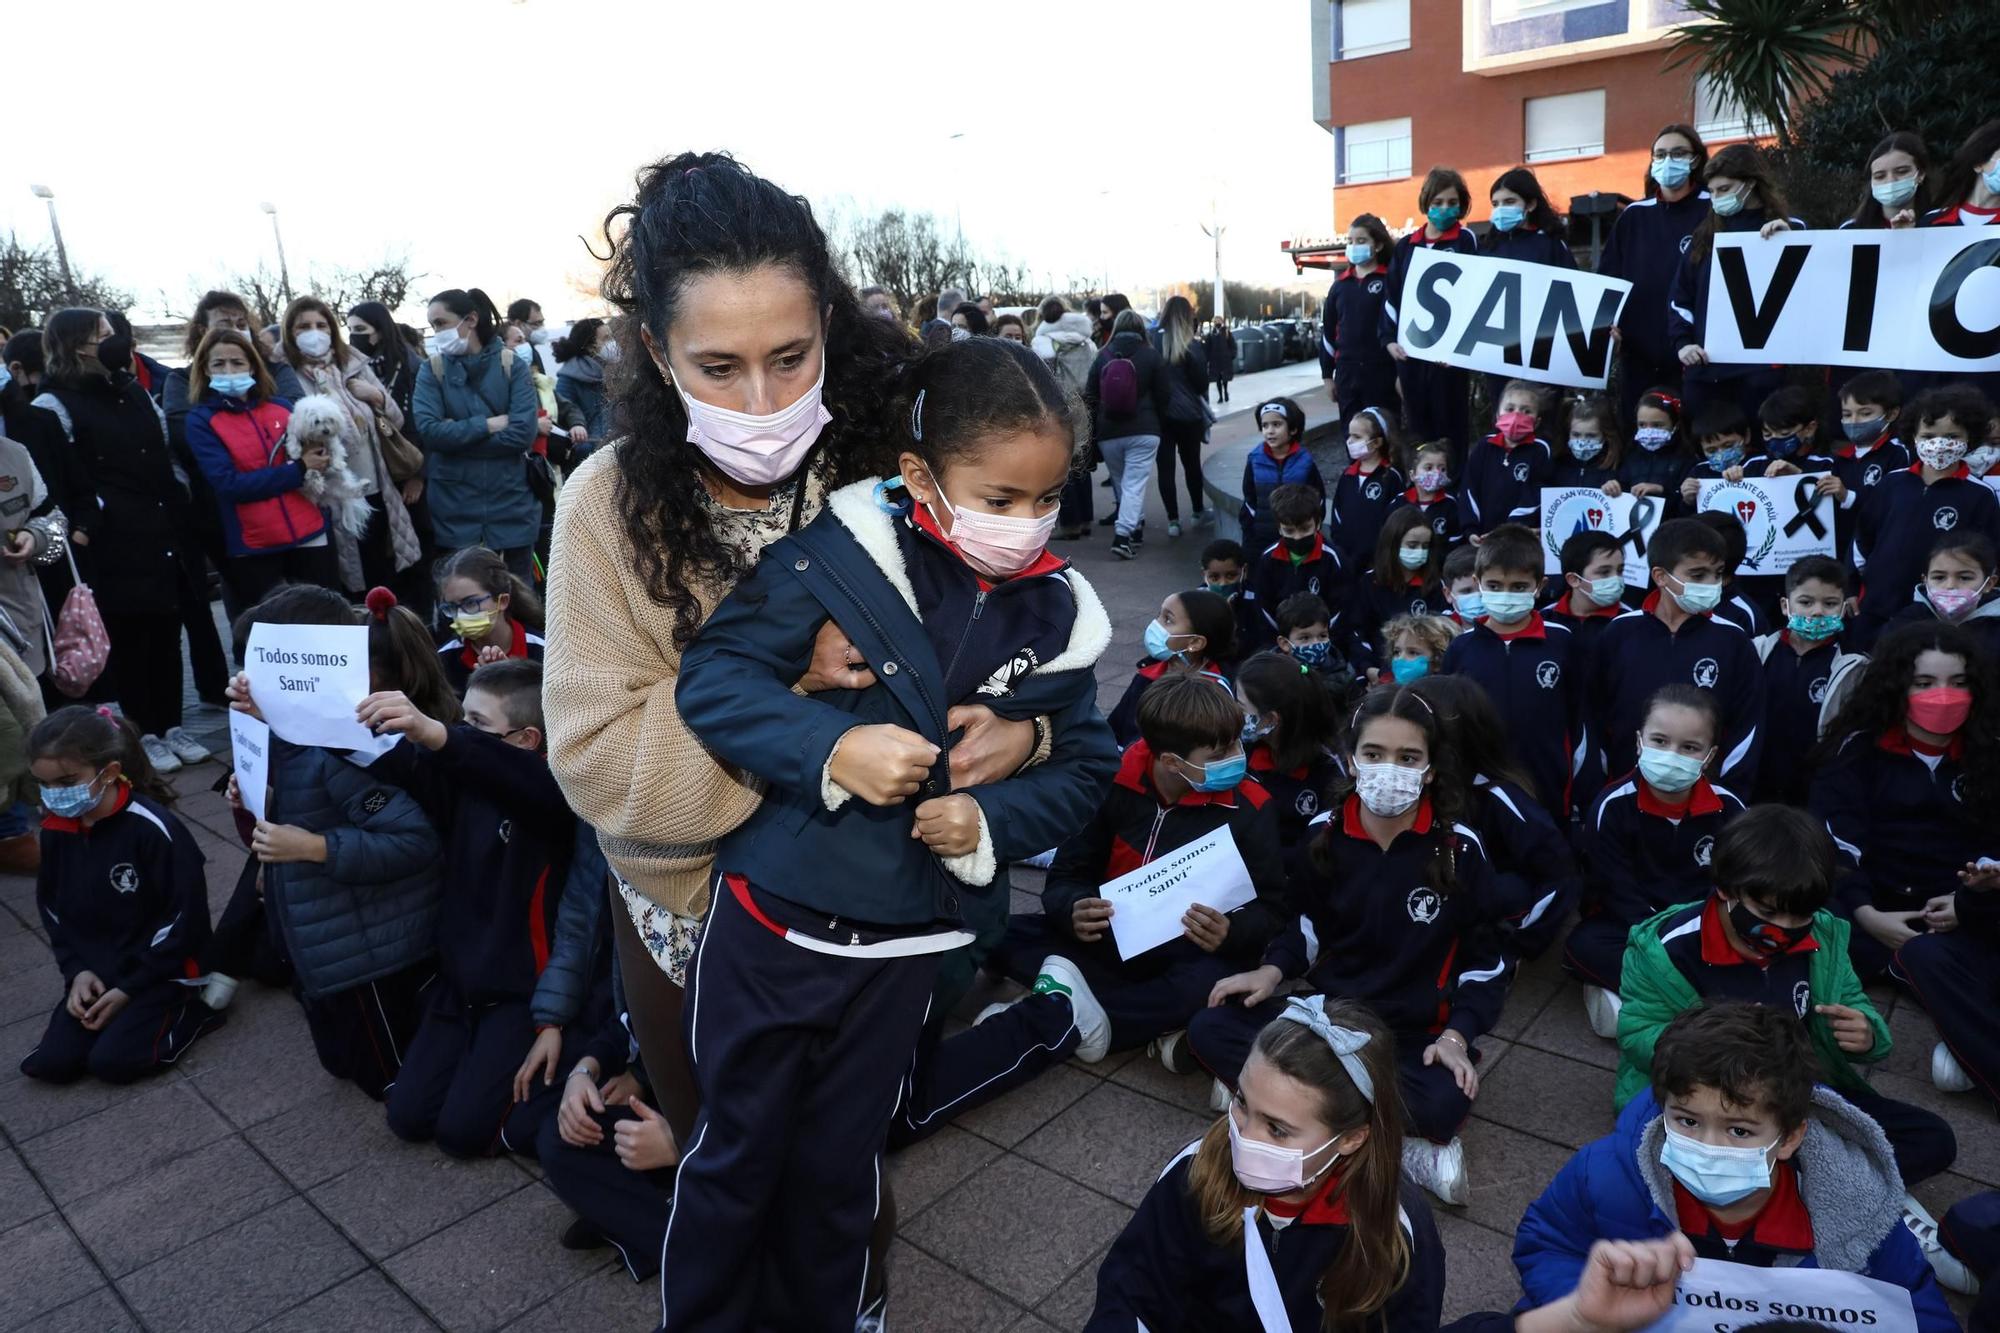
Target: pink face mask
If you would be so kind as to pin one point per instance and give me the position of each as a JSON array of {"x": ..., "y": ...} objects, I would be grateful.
[
  {"x": 1953, "y": 603},
  {"x": 753, "y": 450},
  {"x": 1515, "y": 426},
  {"x": 1942, "y": 710},
  {"x": 997, "y": 545}
]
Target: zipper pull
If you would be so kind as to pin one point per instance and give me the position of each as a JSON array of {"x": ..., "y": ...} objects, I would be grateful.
[{"x": 978, "y": 604}]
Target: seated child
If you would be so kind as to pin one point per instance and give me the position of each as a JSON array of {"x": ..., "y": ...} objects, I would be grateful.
[
  {"x": 1368, "y": 488},
  {"x": 1306, "y": 633},
  {"x": 1288, "y": 732},
  {"x": 1655, "y": 468},
  {"x": 1429, "y": 490},
  {"x": 1308, "y": 1153},
  {"x": 493, "y": 614},
  {"x": 1959, "y": 588},
  {"x": 1413, "y": 647},
  {"x": 1397, "y": 910},
  {"x": 1971, "y": 1231},
  {"x": 123, "y": 898},
  {"x": 1194, "y": 632},
  {"x": 1594, "y": 589},
  {"x": 1647, "y": 842},
  {"x": 1504, "y": 473},
  {"x": 1900, "y": 780},
  {"x": 1181, "y": 781},
  {"x": 1409, "y": 562},
  {"x": 510, "y": 837},
  {"x": 1956, "y": 976},
  {"x": 1301, "y": 560},
  {"x": 1531, "y": 669},
  {"x": 1593, "y": 449},
  {"x": 1741, "y": 604},
  {"x": 1806, "y": 671},
  {"x": 1281, "y": 460},
  {"x": 1734, "y": 1147}
]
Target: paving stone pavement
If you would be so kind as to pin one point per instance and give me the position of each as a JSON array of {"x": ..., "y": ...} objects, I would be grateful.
[{"x": 246, "y": 1189}]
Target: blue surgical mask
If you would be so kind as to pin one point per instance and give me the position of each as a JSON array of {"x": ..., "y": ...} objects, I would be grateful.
[
  {"x": 1508, "y": 607},
  {"x": 1698, "y": 598},
  {"x": 1413, "y": 557},
  {"x": 1727, "y": 205},
  {"x": 1506, "y": 217},
  {"x": 1360, "y": 255},
  {"x": 1223, "y": 589},
  {"x": 1992, "y": 179},
  {"x": 1607, "y": 591},
  {"x": 232, "y": 386},
  {"x": 1782, "y": 446},
  {"x": 1157, "y": 646},
  {"x": 1444, "y": 217},
  {"x": 1894, "y": 194},
  {"x": 1221, "y": 774},
  {"x": 1814, "y": 627},
  {"x": 1672, "y": 173},
  {"x": 69, "y": 802},
  {"x": 1583, "y": 448},
  {"x": 1409, "y": 670},
  {"x": 1717, "y": 1176},
  {"x": 1667, "y": 771},
  {"x": 1470, "y": 606},
  {"x": 1863, "y": 432},
  {"x": 1726, "y": 457},
  {"x": 6, "y": 376},
  {"x": 1312, "y": 654}
]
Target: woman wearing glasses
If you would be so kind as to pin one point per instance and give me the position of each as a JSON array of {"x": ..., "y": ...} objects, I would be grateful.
[{"x": 1645, "y": 249}]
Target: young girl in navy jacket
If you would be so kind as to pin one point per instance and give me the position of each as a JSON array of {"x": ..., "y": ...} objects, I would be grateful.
[
  {"x": 1399, "y": 912},
  {"x": 834, "y": 901},
  {"x": 1591, "y": 451},
  {"x": 1369, "y": 487},
  {"x": 1287, "y": 728},
  {"x": 494, "y": 615},
  {"x": 1406, "y": 580},
  {"x": 1525, "y": 228},
  {"x": 1364, "y": 375},
  {"x": 1434, "y": 396},
  {"x": 1658, "y": 459},
  {"x": 1290, "y": 1212},
  {"x": 1195, "y": 631},
  {"x": 122, "y": 895},
  {"x": 1429, "y": 471},
  {"x": 1504, "y": 473},
  {"x": 1959, "y": 589}
]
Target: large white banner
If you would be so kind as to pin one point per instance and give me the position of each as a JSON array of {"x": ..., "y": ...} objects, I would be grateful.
[
  {"x": 1784, "y": 519},
  {"x": 1568, "y": 510},
  {"x": 1719, "y": 1297},
  {"x": 1506, "y": 317},
  {"x": 1921, "y": 299}
]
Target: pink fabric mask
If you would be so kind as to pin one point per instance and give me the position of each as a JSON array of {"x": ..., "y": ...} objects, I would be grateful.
[
  {"x": 1515, "y": 426},
  {"x": 1940, "y": 711},
  {"x": 753, "y": 450},
  {"x": 997, "y": 545},
  {"x": 1953, "y": 603}
]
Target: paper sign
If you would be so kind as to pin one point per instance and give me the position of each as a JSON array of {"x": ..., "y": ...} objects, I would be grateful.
[
  {"x": 1719, "y": 1297},
  {"x": 1507, "y": 317},
  {"x": 1785, "y": 519},
  {"x": 1633, "y": 519},
  {"x": 250, "y": 751},
  {"x": 1148, "y": 904},
  {"x": 307, "y": 681},
  {"x": 1926, "y": 298}
]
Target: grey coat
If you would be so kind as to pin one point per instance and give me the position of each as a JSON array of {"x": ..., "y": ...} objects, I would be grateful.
[{"x": 479, "y": 492}]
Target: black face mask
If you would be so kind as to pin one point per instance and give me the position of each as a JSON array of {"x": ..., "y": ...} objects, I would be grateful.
[
  {"x": 363, "y": 343},
  {"x": 115, "y": 353},
  {"x": 1761, "y": 935},
  {"x": 1299, "y": 545}
]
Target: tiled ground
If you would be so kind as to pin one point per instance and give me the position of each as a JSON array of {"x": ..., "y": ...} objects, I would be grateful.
[{"x": 245, "y": 1189}]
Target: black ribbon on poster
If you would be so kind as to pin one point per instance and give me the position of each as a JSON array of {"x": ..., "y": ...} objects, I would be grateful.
[
  {"x": 1643, "y": 509},
  {"x": 1805, "y": 496}
]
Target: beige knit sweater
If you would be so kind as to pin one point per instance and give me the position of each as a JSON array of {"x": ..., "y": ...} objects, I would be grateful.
[{"x": 626, "y": 761}]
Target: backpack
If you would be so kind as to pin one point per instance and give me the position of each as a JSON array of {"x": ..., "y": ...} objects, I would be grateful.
[
  {"x": 79, "y": 645},
  {"x": 1118, "y": 387},
  {"x": 1071, "y": 364},
  {"x": 1840, "y": 682}
]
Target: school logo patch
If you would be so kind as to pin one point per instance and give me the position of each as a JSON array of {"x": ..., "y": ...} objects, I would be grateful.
[
  {"x": 506, "y": 830},
  {"x": 1419, "y": 607},
  {"x": 1373, "y": 286},
  {"x": 1817, "y": 691},
  {"x": 1424, "y": 905},
  {"x": 1871, "y": 474},
  {"x": 1958, "y": 789},
  {"x": 1704, "y": 851},
  {"x": 1373, "y": 490},
  {"x": 1802, "y": 998},
  {"x": 1312, "y": 585},
  {"x": 1547, "y": 674},
  {"x": 1521, "y": 472},
  {"x": 125, "y": 877},
  {"x": 1685, "y": 242},
  {"x": 1308, "y": 803},
  {"x": 1016, "y": 668},
  {"x": 1945, "y": 519},
  {"x": 1437, "y": 526},
  {"x": 375, "y": 802},
  {"x": 1707, "y": 672}
]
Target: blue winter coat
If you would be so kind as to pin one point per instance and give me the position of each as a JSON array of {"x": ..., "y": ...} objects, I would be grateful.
[
  {"x": 1847, "y": 1178},
  {"x": 372, "y": 908},
  {"x": 478, "y": 489},
  {"x": 565, "y": 982},
  {"x": 590, "y": 399}
]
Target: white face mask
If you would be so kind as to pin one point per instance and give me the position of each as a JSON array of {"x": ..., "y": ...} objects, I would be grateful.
[
  {"x": 607, "y": 351},
  {"x": 1941, "y": 453},
  {"x": 997, "y": 545},
  {"x": 315, "y": 343},
  {"x": 1266, "y": 1168},
  {"x": 538, "y": 336},
  {"x": 753, "y": 450},
  {"x": 1388, "y": 789},
  {"x": 449, "y": 341}
]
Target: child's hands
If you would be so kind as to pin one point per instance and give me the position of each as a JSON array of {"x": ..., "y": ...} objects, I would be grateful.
[
  {"x": 490, "y": 654},
  {"x": 1778, "y": 467},
  {"x": 234, "y": 794},
  {"x": 1089, "y": 918},
  {"x": 392, "y": 711},
  {"x": 619, "y": 1089},
  {"x": 542, "y": 1057},
  {"x": 1733, "y": 473},
  {"x": 1625, "y": 1284},
  {"x": 281, "y": 844},
  {"x": 646, "y": 1143},
  {"x": 1691, "y": 490},
  {"x": 104, "y": 1009},
  {"x": 1941, "y": 913},
  {"x": 580, "y": 1100},
  {"x": 84, "y": 988},
  {"x": 1647, "y": 488},
  {"x": 1692, "y": 355},
  {"x": 1832, "y": 485},
  {"x": 949, "y": 825},
  {"x": 1451, "y": 1051},
  {"x": 1981, "y": 874},
  {"x": 1850, "y": 1028},
  {"x": 1206, "y": 927},
  {"x": 1892, "y": 929},
  {"x": 1253, "y": 987},
  {"x": 882, "y": 764},
  {"x": 238, "y": 694},
  {"x": 1612, "y": 489}
]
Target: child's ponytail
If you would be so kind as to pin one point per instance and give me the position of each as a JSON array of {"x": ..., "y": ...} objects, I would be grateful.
[
  {"x": 403, "y": 656},
  {"x": 487, "y": 569},
  {"x": 98, "y": 737}
]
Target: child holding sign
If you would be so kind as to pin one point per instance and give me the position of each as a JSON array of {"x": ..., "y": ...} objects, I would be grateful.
[
  {"x": 1735, "y": 1147},
  {"x": 1397, "y": 911},
  {"x": 1504, "y": 473},
  {"x": 1590, "y": 452},
  {"x": 1659, "y": 460},
  {"x": 1434, "y": 396},
  {"x": 1594, "y": 588}
]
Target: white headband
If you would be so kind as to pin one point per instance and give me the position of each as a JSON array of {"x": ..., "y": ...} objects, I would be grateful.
[
  {"x": 1346, "y": 1042},
  {"x": 1279, "y": 408}
]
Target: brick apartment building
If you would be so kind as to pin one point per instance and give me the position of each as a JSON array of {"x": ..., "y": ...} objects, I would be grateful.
[{"x": 1576, "y": 89}]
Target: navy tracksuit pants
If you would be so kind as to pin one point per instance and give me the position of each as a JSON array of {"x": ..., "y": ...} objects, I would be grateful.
[
  {"x": 1921, "y": 1140},
  {"x": 1971, "y": 1231},
  {"x": 1144, "y": 997},
  {"x": 151, "y": 1031},
  {"x": 628, "y": 1207},
  {"x": 952, "y": 1075},
  {"x": 1595, "y": 951},
  {"x": 456, "y": 1084},
  {"x": 362, "y": 1033},
  {"x": 1433, "y": 1106},
  {"x": 1957, "y": 978},
  {"x": 800, "y": 1057}
]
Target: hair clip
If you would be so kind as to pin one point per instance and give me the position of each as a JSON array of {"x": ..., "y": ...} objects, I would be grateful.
[
  {"x": 104, "y": 711},
  {"x": 1346, "y": 1043},
  {"x": 380, "y": 602},
  {"x": 917, "y": 417}
]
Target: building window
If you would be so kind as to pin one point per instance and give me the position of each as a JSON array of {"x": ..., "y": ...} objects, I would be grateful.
[
  {"x": 1566, "y": 125},
  {"x": 1375, "y": 150},
  {"x": 1513, "y": 11},
  {"x": 1372, "y": 27},
  {"x": 1718, "y": 117}
]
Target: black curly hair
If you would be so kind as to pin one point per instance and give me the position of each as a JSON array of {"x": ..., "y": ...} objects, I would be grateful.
[
  {"x": 691, "y": 215},
  {"x": 1880, "y": 703}
]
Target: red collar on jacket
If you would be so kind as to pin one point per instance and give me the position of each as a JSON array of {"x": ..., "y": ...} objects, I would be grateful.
[
  {"x": 1135, "y": 773},
  {"x": 60, "y": 824},
  {"x": 1717, "y": 951},
  {"x": 1278, "y": 550},
  {"x": 1418, "y": 236},
  {"x": 1898, "y": 741},
  {"x": 1563, "y": 608},
  {"x": 1351, "y": 825},
  {"x": 1652, "y": 604},
  {"x": 1354, "y": 469},
  {"x": 1951, "y": 215},
  {"x": 1502, "y": 443},
  {"x": 1959, "y": 473},
  {"x": 1261, "y": 761},
  {"x": 1275, "y": 458},
  {"x": 1849, "y": 449},
  {"x": 1327, "y": 1207},
  {"x": 1781, "y": 1224},
  {"x": 469, "y": 654},
  {"x": 1534, "y": 629},
  {"x": 1702, "y": 800},
  {"x": 1045, "y": 563}
]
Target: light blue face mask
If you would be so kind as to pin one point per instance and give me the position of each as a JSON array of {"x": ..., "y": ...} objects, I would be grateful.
[
  {"x": 1413, "y": 557},
  {"x": 1672, "y": 173},
  {"x": 1409, "y": 670},
  {"x": 1508, "y": 607},
  {"x": 1667, "y": 771},
  {"x": 1607, "y": 591},
  {"x": 69, "y": 802},
  {"x": 1360, "y": 255},
  {"x": 1158, "y": 643},
  {"x": 1716, "y": 1176},
  {"x": 1221, "y": 774},
  {"x": 1471, "y": 606},
  {"x": 6, "y": 376},
  {"x": 1992, "y": 179},
  {"x": 1506, "y": 217},
  {"x": 1698, "y": 598},
  {"x": 1894, "y": 194},
  {"x": 1727, "y": 205},
  {"x": 232, "y": 386}
]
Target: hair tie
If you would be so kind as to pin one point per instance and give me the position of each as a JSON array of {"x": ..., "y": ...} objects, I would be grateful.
[
  {"x": 1347, "y": 1043},
  {"x": 380, "y": 602},
  {"x": 104, "y": 711},
  {"x": 917, "y": 417}
]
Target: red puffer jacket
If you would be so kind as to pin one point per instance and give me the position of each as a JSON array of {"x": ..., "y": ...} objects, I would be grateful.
[{"x": 239, "y": 446}]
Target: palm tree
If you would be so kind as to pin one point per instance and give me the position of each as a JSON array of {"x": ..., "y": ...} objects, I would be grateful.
[{"x": 1768, "y": 55}]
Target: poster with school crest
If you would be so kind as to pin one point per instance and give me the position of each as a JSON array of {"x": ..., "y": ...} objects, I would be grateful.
[
  {"x": 1633, "y": 519},
  {"x": 1785, "y": 519}
]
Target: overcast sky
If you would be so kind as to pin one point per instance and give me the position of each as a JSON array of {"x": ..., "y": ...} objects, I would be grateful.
[{"x": 481, "y": 136}]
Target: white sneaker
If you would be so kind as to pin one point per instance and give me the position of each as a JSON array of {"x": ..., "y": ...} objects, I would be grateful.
[
  {"x": 1602, "y": 1006},
  {"x": 185, "y": 747},
  {"x": 219, "y": 991},
  {"x": 1219, "y": 1097},
  {"x": 1951, "y": 1274},
  {"x": 1437, "y": 1167},
  {"x": 1059, "y": 974},
  {"x": 1946, "y": 1073},
  {"x": 163, "y": 758},
  {"x": 1174, "y": 528},
  {"x": 1172, "y": 1052}
]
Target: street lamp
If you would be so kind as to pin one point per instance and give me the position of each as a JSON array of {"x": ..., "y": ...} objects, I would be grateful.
[
  {"x": 48, "y": 196},
  {"x": 958, "y": 190},
  {"x": 1214, "y": 229},
  {"x": 284, "y": 274}
]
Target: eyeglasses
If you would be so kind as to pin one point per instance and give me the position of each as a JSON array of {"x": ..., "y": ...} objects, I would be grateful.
[
  {"x": 471, "y": 604},
  {"x": 1673, "y": 155}
]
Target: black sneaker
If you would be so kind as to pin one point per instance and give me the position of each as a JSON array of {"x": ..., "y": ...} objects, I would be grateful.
[
  {"x": 1108, "y": 519},
  {"x": 581, "y": 1235},
  {"x": 1123, "y": 549}
]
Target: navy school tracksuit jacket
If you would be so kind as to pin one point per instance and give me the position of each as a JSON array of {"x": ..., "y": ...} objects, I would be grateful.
[
  {"x": 1262, "y": 474},
  {"x": 1297, "y": 793},
  {"x": 1568, "y": 472},
  {"x": 1637, "y": 654},
  {"x": 1370, "y": 606},
  {"x": 1641, "y": 856},
  {"x": 1374, "y": 928},
  {"x": 1459, "y": 240},
  {"x": 125, "y": 898},
  {"x": 1795, "y": 686},
  {"x": 935, "y": 635},
  {"x": 1442, "y": 511},
  {"x": 1163, "y": 1272},
  {"x": 1861, "y": 469},
  {"x": 1353, "y": 332},
  {"x": 1900, "y": 821},
  {"x": 1982, "y": 622},
  {"x": 1902, "y": 519},
  {"x": 1131, "y": 828},
  {"x": 1534, "y": 871},
  {"x": 1276, "y": 574},
  {"x": 1665, "y": 467},
  {"x": 1528, "y": 245},
  {"x": 1687, "y": 300},
  {"x": 1535, "y": 678},
  {"x": 508, "y": 837},
  {"x": 1645, "y": 249},
  {"x": 1361, "y": 501},
  {"x": 1503, "y": 484},
  {"x": 1585, "y": 627}
]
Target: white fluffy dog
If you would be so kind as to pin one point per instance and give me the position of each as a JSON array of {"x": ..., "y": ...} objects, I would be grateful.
[{"x": 319, "y": 421}]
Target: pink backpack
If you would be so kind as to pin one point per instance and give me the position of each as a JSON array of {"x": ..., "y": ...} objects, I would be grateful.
[
  {"x": 79, "y": 646},
  {"x": 1118, "y": 387}
]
